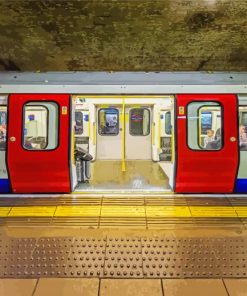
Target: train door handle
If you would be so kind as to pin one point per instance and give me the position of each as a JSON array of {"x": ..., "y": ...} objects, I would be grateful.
[
  {"x": 233, "y": 139},
  {"x": 12, "y": 139}
]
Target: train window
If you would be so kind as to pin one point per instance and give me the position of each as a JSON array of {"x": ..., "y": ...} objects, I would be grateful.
[
  {"x": 78, "y": 122},
  {"x": 204, "y": 121},
  {"x": 243, "y": 128},
  {"x": 139, "y": 122},
  {"x": 3, "y": 127},
  {"x": 40, "y": 129},
  {"x": 168, "y": 123},
  {"x": 108, "y": 122}
]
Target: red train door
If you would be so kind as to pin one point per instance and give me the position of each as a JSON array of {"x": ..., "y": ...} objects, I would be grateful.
[
  {"x": 207, "y": 143},
  {"x": 38, "y": 143}
]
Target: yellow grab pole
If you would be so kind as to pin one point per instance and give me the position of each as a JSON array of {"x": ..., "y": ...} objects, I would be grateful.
[
  {"x": 89, "y": 128},
  {"x": 94, "y": 133},
  {"x": 159, "y": 125},
  {"x": 123, "y": 135},
  {"x": 173, "y": 145}
]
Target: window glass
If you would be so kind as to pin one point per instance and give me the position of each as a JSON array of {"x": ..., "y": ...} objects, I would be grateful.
[
  {"x": 40, "y": 130},
  {"x": 168, "y": 123},
  {"x": 3, "y": 127},
  {"x": 139, "y": 122},
  {"x": 204, "y": 120},
  {"x": 243, "y": 128},
  {"x": 108, "y": 122},
  {"x": 78, "y": 122}
]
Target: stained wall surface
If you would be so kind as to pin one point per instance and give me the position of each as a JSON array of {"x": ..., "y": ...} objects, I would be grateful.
[{"x": 149, "y": 35}]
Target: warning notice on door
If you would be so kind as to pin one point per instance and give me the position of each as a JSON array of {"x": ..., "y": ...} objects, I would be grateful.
[{"x": 64, "y": 110}]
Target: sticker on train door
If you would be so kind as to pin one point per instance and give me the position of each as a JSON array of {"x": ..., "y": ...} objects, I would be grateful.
[
  {"x": 64, "y": 110},
  {"x": 181, "y": 110}
]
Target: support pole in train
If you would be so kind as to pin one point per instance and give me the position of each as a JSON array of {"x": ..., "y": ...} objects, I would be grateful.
[{"x": 123, "y": 135}]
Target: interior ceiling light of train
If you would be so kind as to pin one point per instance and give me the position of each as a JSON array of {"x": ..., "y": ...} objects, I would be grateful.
[{"x": 123, "y": 35}]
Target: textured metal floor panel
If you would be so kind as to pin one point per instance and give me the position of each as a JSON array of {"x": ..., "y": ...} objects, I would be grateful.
[{"x": 123, "y": 257}]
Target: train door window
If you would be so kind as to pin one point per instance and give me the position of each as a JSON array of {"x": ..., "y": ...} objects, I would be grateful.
[
  {"x": 3, "y": 127},
  {"x": 204, "y": 126},
  {"x": 40, "y": 126},
  {"x": 139, "y": 122},
  {"x": 108, "y": 122},
  {"x": 78, "y": 123},
  {"x": 168, "y": 123},
  {"x": 243, "y": 128}
]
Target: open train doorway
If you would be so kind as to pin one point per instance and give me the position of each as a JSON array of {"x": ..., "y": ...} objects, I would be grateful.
[{"x": 128, "y": 143}]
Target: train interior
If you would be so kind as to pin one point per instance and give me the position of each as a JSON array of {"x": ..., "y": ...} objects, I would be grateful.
[{"x": 129, "y": 143}]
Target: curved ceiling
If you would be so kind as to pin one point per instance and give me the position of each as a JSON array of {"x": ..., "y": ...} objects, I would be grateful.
[{"x": 168, "y": 35}]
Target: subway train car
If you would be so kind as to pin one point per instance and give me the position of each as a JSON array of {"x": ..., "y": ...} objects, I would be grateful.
[{"x": 126, "y": 132}]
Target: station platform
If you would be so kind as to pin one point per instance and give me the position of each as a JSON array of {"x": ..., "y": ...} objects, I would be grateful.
[{"x": 167, "y": 244}]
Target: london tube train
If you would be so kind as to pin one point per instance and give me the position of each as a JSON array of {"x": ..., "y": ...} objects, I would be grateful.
[{"x": 123, "y": 132}]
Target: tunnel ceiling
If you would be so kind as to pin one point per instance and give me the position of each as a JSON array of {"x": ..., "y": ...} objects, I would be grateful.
[{"x": 168, "y": 35}]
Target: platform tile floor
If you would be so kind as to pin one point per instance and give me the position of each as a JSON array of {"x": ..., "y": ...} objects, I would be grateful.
[{"x": 123, "y": 287}]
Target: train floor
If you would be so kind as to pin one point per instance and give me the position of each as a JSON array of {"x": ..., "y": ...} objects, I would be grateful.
[
  {"x": 106, "y": 244},
  {"x": 140, "y": 175}
]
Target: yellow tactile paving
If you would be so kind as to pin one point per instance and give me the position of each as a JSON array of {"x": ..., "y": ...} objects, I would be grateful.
[
  {"x": 40, "y": 211},
  {"x": 4, "y": 211},
  {"x": 77, "y": 211},
  {"x": 241, "y": 211},
  {"x": 123, "y": 211},
  {"x": 139, "y": 211},
  {"x": 213, "y": 211},
  {"x": 167, "y": 211}
]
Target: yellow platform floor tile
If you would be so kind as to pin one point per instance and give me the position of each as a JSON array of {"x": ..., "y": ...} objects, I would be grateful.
[
  {"x": 77, "y": 211},
  {"x": 167, "y": 211},
  {"x": 123, "y": 211},
  {"x": 37, "y": 211},
  {"x": 213, "y": 211},
  {"x": 241, "y": 211},
  {"x": 4, "y": 211}
]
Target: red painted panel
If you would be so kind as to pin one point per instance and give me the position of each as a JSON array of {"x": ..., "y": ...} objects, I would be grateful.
[
  {"x": 207, "y": 171},
  {"x": 38, "y": 171}
]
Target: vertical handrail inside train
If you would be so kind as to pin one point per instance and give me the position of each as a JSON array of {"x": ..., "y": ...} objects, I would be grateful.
[
  {"x": 123, "y": 135},
  {"x": 89, "y": 128},
  {"x": 159, "y": 130},
  {"x": 173, "y": 144},
  {"x": 153, "y": 133},
  {"x": 94, "y": 133}
]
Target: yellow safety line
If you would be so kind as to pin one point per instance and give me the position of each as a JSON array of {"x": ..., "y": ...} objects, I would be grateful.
[
  {"x": 213, "y": 211},
  {"x": 131, "y": 211},
  {"x": 241, "y": 211},
  {"x": 77, "y": 211},
  {"x": 32, "y": 211},
  {"x": 123, "y": 211},
  {"x": 167, "y": 211},
  {"x": 123, "y": 135},
  {"x": 4, "y": 211}
]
